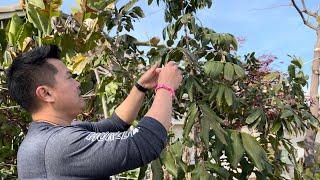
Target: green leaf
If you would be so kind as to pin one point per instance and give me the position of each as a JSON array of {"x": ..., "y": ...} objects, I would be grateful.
[
  {"x": 220, "y": 94},
  {"x": 198, "y": 86},
  {"x": 213, "y": 68},
  {"x": 271, "y": 76},
  {"x": 228, "y": 71},
  {"x": 297, "y": 61},
  {"x": 237, "y": 149},
  {"x": 204, "y": 133},
  {"x": 185, "y": 18},
  {"x": 3, "y": 41},
  {"x": 216, "y": 168},
  {"x": 157, "y": 172},
  {"x": 214, "y": 91},
  {"x": 301, "y": 144},
  {"x": 96, "y": 5},
  {"x": 189, "y": 57},
  {"x": 37, "y": 3},
  {"x": 199, "y": 173},
  {"x": 215, "y": 120},
  {"x": 40, "y": 19},
  {"x": 169, "y": 162},
  {"x": 233, "y": 41},
  {"x": 176, "y": 149},
  {"x": 142, "y": 172},
  {"x": 255, "y": 151},
  {"x": 286, "y": 113},
  {"x": 14, "y": 27},
  {"x": 126, "y": 7},
  {"x": 209, "y": 113},
  {"x": 239, "y": 71},
  {"x": 154, "y": 41},
  {"x": 191, "y": 118},
  {"x": 228, "y": 95},
  {"x": 292, "y": 71},
  {"x": 138, "y": 11},
  {"x": 189, "y": 87},
  {"x": 170, "y": 42},
  {"x": 276, "y": 126},
  {"x": 24, "y": 32},
  {"x": 254, "y": 116},
  {"x": 313, "y": 121},
  {"x": 194, "y": 28},
  {"x": 219, "y": 132},
  {"x": 80, "y": 62}
]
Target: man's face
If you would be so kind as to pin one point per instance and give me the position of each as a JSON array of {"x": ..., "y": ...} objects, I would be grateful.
[{"x": 66, "y": 92}]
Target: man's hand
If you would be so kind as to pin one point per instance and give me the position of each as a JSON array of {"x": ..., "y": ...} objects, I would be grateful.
[
  {"x": 149, "y": 79},
  {"x": 170, "y": 75}
]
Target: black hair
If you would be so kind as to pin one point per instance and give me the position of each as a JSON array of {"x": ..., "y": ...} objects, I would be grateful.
[{"x": 30, "y": 70}]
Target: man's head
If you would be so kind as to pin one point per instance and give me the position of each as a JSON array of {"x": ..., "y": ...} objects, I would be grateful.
[{"x": 38, "y": 80}]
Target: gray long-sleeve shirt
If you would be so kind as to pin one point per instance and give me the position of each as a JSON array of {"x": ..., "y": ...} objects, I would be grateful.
[{"x": 88, "y": 150}]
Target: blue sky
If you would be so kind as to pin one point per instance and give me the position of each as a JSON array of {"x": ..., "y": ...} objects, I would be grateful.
[{"x": 269, "y": 26}]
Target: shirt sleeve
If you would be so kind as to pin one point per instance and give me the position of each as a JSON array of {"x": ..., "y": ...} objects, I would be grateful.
[
  {"x": 76, "y": 151},
  {"x": 112, "y": 124}
]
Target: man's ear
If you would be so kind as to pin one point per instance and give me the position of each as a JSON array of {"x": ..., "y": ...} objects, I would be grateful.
[{"x": 44, "y": 93}]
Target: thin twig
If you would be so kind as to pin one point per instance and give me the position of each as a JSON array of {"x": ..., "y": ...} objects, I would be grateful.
[
  {"x": 271, "y": 7},
  {"x": 10, "y": 107},
  {"x": 103, "y": 98},
  {"x": 302, "y": 16},
  {"x": 305, "y": 10},
  {"x": 89, "y": 95},
  {"x": 315, "y": 59},
  {"x": 6, "y": 164}
]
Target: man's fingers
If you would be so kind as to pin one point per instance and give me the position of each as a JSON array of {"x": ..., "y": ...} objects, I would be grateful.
[
  {"x": 171, "y": 63},
  {"x": 158, "y": 70},
  {"x": 154, "y": 67}
]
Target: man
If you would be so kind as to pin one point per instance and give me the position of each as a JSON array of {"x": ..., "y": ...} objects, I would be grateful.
[{"x": 55, "y": 149}]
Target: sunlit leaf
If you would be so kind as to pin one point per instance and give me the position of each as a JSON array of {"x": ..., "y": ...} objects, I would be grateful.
[
  {"x": 228, "y": 71},
  {"x": 237, "y": 149},
  {"x": 239, "y": 71},
  {"x": 169, "y": 162},
  {"x": 254, "y": 116},
  {"x": 228, "y": 94},
  {"x": 271, "y": 76},
  {"x": 255, "y": 151},
  {"x": 15, "y": 25},
  {"x": 190, "y": 120},
  {"x": 213, "y": 68},
  {"x": 204, "y": 133},
  {"x": 157, "y": 172}
]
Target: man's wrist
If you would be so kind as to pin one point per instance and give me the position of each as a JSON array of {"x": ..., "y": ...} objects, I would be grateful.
[
  {"x": 140, "y": 87},
  {"x": 165, "y": 87}
]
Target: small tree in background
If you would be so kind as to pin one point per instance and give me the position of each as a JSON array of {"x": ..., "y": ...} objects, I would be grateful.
[{"x": 309, "y": 142}]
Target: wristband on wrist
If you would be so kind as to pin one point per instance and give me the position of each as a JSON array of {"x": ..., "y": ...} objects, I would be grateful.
[
  {"x": 166, "y": 87},
  {"x": 141, "y": 88}
]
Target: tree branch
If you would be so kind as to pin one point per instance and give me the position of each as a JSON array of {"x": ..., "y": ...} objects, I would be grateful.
[
  {"x": 9, "y": 107},
  {"x": 103, "y": 98},
  {"x": 302, "y": 16},
  {"x": 305, "y": 10},
  {"x": 271, "y": 7},
  {"x": 147, "y": 43}
]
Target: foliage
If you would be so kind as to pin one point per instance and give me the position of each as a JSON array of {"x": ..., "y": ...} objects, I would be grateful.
[{"x": 237, "y": 113}]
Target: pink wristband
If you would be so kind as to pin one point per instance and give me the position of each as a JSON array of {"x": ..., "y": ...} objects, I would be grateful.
[{"x": 166, "y": 87}]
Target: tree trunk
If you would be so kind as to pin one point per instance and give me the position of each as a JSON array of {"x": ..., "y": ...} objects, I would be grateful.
[{"x": 314, "y": 106}]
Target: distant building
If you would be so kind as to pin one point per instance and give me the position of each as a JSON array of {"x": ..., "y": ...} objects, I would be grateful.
[{"x": 6, "y": 12}]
